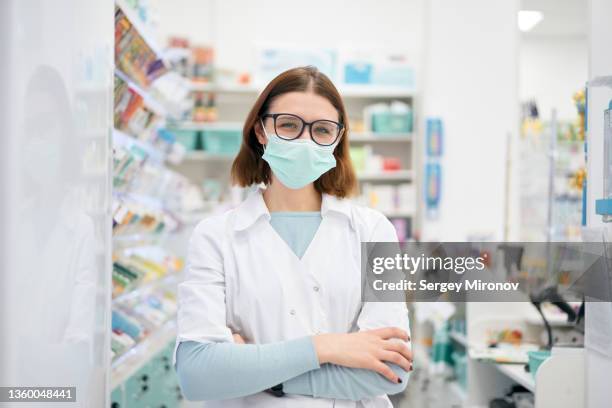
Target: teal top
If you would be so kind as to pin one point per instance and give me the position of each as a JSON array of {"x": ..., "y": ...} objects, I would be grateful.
[
  {"x": 213, "y": 371},
  {"x": 297, "y": 229}
]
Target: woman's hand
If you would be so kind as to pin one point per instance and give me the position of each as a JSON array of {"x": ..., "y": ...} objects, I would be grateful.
[
  {"x": 366, "y": 349},
  {"x": 238, "y": 339}
]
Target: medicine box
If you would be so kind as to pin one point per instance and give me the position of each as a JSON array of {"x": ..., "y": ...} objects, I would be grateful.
[
  {"x": 391, "y": 122},
  {"x": 222, "y": 141},
  {"x": 188, "y": 138}
]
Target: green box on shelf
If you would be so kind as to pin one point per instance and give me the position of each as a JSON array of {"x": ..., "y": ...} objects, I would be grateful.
[
  {"x": 391, "y": 122},
  {"x": 222, "y": 141},
  {"x": 188, "y": 138},
  {"x": 358, "y": 157}
]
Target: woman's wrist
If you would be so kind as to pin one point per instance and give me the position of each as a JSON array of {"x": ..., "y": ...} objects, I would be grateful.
[{"x": 322, "y": 347}]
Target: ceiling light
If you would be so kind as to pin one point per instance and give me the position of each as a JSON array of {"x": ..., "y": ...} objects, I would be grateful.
[{"x": 527, "y": 19}]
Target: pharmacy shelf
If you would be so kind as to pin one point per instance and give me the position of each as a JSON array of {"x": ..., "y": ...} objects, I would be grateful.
[
  {"x": 187, "y": 125},
  {"x": 201, "y": 155},
  {"x": 363, "y": 91},
  {"x": 151, "y": 202},
  {"x": 601, "y": 81},
  {"x": 120, "y": 138},
  {"x": 399, "y": 214},
  {"x": 517, "y": 373},
  {"x": 227, "y": 88},
  {"x": 193, "y": 218},
  {"x": 459, "y": 338},
  {"x": 129, "y": 362},
  {"x": 397, "y": 175},
  {"x": 134, "y": 239},
  {"x": 369, "y": 91},
  {"x": 150, "y": 101},
  {"x": 355, "y": 137},
  {"x": 170, "y": 279},
  {"x": 370, "y": 137},
  {"x": 139, "y": 26}
]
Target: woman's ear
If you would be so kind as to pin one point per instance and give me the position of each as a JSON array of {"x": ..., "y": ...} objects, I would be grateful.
[{"x": 259, "y": 133}]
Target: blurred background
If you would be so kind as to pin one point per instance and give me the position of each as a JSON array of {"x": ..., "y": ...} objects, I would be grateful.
[{"x": 468, "y": 119}]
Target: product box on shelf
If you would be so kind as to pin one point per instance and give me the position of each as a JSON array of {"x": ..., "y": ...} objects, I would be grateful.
[
  {"x": 191, "y": 139},
  {"x": 376, "y": 68},
  {"x": 133, "y": 55},
  {"x": 391, "y": 122},
  {"x": 222, "y": 141}
]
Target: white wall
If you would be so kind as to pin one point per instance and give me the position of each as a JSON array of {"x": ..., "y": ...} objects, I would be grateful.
[
  {"x": 551, "y": 70},
  {"x": 193, "y": 19},
  {"x": 471, "y": 84}
]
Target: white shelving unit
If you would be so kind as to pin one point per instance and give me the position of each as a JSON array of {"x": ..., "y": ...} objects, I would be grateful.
[
  {"x": 397, "y": 175},
  {"x": 375, "y": 92},
  {"x": 120, "y": 138},
  {"x": 127, "y": 364},
  {"x": 205, "y": 156},
  {"x": 559, "y": 381},
  {"x": 234, "y": 101},
  {"x": 550, "y": 203},
  {"x": 355, "y": 137},
  {"x": 149, "y": 100},
  {"x": 142, "y": 29},
  {"x": 517, "y": 373},
  {"x": 379, "y": 92},
  {"x": 205, "y": 125},
  {"x": 208, "y": 87},
  {"x": 369, "y": 137},
  {"x": 137, "y": 190}
]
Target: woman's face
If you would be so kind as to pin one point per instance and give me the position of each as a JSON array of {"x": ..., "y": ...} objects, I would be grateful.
[{"x": 307, "y": 105}]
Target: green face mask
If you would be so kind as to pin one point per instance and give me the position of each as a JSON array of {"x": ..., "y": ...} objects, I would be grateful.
[{"x": 297, "y": 163}]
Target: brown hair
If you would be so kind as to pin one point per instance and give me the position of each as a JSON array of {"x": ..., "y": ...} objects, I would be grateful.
[{"x": 249, "y": 168}]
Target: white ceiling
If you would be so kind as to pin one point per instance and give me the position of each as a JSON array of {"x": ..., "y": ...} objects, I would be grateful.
[{"x": 561, "y": 17}]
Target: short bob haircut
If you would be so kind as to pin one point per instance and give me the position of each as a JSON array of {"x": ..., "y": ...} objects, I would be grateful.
[{"x": 249, "y": 168}]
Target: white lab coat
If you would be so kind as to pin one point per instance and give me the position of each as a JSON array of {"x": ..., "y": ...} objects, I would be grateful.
[{"x": 243, "y": 278}]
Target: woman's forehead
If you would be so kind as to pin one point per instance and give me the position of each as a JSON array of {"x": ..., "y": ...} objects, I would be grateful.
[{"x": 308, "y": 105}]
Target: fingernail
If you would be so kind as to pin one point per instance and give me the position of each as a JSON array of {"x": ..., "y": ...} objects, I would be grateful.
[{"x": 410, "y": 367}]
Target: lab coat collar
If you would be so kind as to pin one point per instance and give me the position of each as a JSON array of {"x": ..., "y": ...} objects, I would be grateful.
[
  {"x": 254, "y": 207},
  {"x": 251, "y": 210},
  {"x": 333, "y": 204}
]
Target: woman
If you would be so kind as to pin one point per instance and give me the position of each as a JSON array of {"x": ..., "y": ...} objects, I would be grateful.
[{"x": 281, "y": 271}]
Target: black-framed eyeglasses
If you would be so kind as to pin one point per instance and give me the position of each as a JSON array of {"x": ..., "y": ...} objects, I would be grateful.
[{"x": 289, "y": 127}]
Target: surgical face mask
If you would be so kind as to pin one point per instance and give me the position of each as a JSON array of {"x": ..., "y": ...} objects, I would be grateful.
[{"x": 297, "y": 163}]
